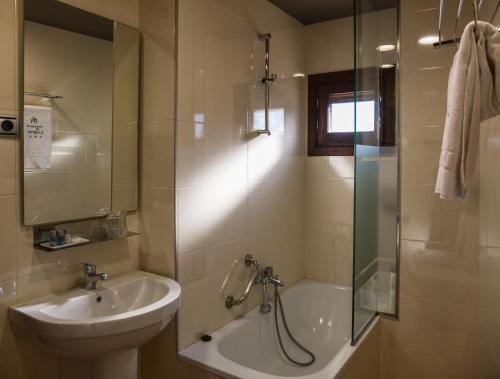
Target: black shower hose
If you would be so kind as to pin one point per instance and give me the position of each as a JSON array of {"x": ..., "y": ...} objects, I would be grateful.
[{"x": 277, "y": 300}]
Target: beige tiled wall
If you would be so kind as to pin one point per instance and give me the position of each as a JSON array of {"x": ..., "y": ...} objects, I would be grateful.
[
  {"x": 329, "y": 210},
  {"x": 329, "y": 180},
  {"x": 24, "y": 272},
  {"x": 158, "y": 358},
  {"x": 437, "y": 334},
  {"x": 157, "y": 20},
  {"x": 489, "y": 253},
  {"x": 237, "y": 193},
  {"x": 126, "y": 95},
  {"x": 365, "y": 362}
]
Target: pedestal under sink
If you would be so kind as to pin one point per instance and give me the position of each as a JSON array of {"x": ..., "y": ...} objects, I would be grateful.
[{"x": 97, "y": 333}]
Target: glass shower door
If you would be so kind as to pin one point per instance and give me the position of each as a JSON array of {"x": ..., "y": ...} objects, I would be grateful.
[{"x": 376, "y": 199}]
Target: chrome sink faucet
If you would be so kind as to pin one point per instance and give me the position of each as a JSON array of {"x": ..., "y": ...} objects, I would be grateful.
[
  {"x": 90, "y": 277},
  {"x": 267, "y": 277}
]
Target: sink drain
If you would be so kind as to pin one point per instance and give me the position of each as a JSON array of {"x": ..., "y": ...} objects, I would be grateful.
[{"x": 98, "y": 298}]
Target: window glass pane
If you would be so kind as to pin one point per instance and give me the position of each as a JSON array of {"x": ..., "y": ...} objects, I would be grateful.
[{"x": 341, "y": 117}]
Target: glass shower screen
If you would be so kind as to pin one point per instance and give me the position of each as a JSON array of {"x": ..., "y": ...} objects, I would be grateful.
[{"x": 376, "y": 197}]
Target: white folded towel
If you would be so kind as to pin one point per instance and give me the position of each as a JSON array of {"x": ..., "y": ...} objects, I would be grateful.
[{"x": 473, "y": 96}]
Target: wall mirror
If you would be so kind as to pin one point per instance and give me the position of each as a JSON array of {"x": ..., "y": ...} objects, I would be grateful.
[{"x": 81, "y": 108}]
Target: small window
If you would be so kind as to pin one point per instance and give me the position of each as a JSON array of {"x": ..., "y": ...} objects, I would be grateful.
[{"x": 331, "y": 111}]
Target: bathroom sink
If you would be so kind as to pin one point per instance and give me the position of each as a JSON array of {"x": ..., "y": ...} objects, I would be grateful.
[{"x": 122, "y": 314}]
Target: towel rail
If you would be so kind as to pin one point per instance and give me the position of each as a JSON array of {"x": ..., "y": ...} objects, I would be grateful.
[
  {"x": 476, "y": 10},
  {"x": 44, "y": 96}
]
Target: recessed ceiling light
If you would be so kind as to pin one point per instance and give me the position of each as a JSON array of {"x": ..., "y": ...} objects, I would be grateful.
[
  {"x": 387, "y": 65},
  {"x": 387, "y": 47},
  {"x": 428, "y": 40},
  {"x": 299, "y": 75}
]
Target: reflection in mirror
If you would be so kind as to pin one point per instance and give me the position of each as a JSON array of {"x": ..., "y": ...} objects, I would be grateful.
[{"x": 81, "y": 83}]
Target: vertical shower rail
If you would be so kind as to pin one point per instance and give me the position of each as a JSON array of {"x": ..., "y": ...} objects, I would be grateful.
[{"x": 268, "y": 81}]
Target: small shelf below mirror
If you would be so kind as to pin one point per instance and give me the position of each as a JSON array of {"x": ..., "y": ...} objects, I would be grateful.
[{"x": 77, "y": 233}]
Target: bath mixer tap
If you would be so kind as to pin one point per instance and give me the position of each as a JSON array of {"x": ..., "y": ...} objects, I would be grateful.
[
  {"x": 90, "y": 277},
  {"x": 264, "y": 278}
]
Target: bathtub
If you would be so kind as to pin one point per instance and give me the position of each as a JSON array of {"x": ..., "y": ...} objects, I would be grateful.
[{"x": 319, "y": 316}]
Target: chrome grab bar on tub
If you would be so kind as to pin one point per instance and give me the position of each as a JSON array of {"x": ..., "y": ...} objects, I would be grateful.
[{"x": 249, "y": 261}]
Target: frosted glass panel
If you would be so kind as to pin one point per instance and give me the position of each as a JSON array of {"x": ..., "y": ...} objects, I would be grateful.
[{"x": 376, "y": 167}]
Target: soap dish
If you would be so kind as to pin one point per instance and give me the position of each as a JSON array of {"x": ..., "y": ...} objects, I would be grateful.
[{"x": 75, "y": 241}]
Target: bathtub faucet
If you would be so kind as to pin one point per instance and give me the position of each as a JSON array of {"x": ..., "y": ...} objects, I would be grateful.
[{"x": 267, "y": 277}]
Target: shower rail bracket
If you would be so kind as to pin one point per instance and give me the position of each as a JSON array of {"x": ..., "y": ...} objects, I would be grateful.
[{"x": 267, "y": 81}]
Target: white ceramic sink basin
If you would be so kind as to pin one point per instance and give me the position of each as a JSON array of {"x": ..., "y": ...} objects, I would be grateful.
[{"x": 124, "y": 313}]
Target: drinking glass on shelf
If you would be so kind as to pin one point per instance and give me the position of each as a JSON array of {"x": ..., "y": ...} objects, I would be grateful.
[{"x": 116, "y": 225}]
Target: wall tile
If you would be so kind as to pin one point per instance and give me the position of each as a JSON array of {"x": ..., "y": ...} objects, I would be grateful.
[
  {"x": 365, "y": 362},
  {"x": 341, "y": 167},
  {"x": 157, "y": 221},
  {"x": 396, "y": 364},
  {"x": 442, "y": 330},
  {"x": 164, "y": 345},
  {"x": 203, "y": 223},
  {"x": 421, "y": 149},
  {"x": 421, "y": 24},
  {"x": 489, "y": 284},
  {"x": 157, "y": 80},
  {"x": 158, "y": 158},
  {"x": 221, "y": 168},
  {"x": 424, "y": 88},
  {"x": 160, "y": 264},
  {"x": 8, "y": 157},
  {"x": 489, "y": 346},
  {"x": 425, "y": 217},
  {"x": 440, "y": 271},
  {"x": 8, "y": 67},
  {"x": 8, "y": 258},
  {"x": 9, "y": 372},
  {"x": 409, "y": 6},
  {"x": 8, "y": 296}
]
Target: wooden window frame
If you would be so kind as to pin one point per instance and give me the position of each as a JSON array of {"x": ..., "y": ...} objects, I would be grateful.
[{"x": 380, "y": 82}]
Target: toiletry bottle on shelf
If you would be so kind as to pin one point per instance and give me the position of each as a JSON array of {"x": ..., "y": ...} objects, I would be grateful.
[
  {"x": 53, "y": 238},
  {"x": 67, "y": 236},
  {"x": 60, "y": 237}
]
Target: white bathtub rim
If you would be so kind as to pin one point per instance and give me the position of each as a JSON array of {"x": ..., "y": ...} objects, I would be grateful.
[
  {"x": 208, "y": 356},
  {"x": 228, "y": 369}
]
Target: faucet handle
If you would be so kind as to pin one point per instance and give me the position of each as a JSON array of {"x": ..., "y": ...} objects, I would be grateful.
[
  {"x": 277, "y": 281},
  {"x": 268, "y": 271},
  {"x": 89, "y": 268}
]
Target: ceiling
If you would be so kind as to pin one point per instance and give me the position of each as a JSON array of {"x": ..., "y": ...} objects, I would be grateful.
[
  {"x": 313, "y": 11},
  {"x": 59, "y": 15}
]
